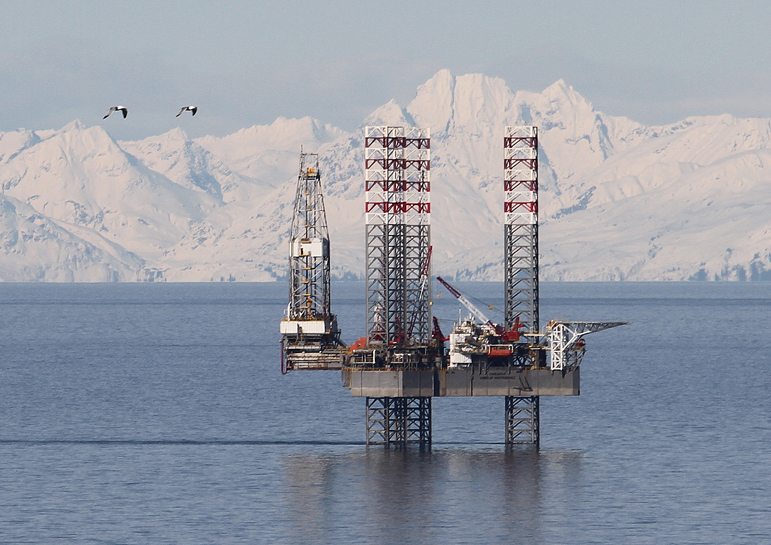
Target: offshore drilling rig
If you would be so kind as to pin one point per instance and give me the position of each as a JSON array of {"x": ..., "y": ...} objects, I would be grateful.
[{"x": 402, "y": 362}]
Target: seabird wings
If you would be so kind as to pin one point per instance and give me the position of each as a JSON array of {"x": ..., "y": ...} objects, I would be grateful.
[
  {"x": 121, "y": 109},
  {"x": 192, "y": 109}
]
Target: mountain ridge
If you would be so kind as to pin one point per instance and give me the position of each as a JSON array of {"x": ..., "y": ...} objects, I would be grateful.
[{"x": 618, "y": 200}]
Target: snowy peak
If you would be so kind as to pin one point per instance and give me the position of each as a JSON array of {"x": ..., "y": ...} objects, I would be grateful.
[
  {"x": 553, "y": 106},
  {"x": 560, "y": 92},
  {"x": 268, "y": 153},
  {"x": 283, "y": 134},
  {"x": 474, "y": 109},
  {"x": 62, "y": 158},
  {"x": 390, "y": 114},
  {"x": 175, "y": 135},
  {"x": 433, "y": 105},
  {"x": 76, "y": 125},
  {"x": 183, "y": 162},
  {"x": 12, "y": 143},
  {"x": 81, "y": 177},
  {"x": 481, "y": 99},
  {"x": 446, "y": 103}
]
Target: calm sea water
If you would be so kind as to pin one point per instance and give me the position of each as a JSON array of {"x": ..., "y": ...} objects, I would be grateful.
[{"x": 157, "y": 414}]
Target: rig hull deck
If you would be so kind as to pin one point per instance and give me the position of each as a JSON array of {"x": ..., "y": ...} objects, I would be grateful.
[{"x": 473, "y": 380}]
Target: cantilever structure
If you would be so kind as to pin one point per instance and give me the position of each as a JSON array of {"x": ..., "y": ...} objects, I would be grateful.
[
  {"x": 310, "y": 336},
  {"x": 402, "y": 363}
]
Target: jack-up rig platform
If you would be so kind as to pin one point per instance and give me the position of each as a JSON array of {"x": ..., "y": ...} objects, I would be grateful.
[{"x": 402, "y": 362}]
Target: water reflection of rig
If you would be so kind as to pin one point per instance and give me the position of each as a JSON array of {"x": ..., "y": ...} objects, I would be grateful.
[{"x": 403, "y": 361}]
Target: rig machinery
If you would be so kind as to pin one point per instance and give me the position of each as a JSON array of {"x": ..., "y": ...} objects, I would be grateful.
[{"x": 486, "y": 344}]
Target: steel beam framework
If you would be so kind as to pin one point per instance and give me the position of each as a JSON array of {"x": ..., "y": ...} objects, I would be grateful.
[
  {"x": 520, "y": 184},
  {"x": 309, "y": 270},
  {"x": 523, "y": 420},
  {"x": 565, "y": 340},
  {"x": 398, "y": 207},
  {"x": 399, "y": 421}
]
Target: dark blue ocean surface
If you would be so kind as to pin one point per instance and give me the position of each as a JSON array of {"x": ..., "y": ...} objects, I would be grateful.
[{"x": 152, "y": 413}]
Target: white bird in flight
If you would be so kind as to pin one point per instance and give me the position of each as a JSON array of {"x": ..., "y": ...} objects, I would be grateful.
[
  {"x": 186, "y": 109},
  {"x": 121, "y": 109}
]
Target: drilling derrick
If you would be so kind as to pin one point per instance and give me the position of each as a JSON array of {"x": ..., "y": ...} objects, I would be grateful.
[{"x": 310, "y": 336}]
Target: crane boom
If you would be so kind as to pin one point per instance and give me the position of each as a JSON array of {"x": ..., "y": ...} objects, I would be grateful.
[{"x": 478, "y": 314}]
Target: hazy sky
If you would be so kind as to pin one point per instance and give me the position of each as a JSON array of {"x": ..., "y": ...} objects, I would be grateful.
[{"x": 248, "y": 62}]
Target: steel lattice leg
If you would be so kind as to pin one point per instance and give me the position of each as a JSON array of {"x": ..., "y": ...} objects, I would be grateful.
[
  {"x": 399, "y": 421},
  {"x": 523, "y": 420},
  {"x": 418, "y": 420}
]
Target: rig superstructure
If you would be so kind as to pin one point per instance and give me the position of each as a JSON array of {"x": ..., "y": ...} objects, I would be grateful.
[{"x": 402, "y": 362}]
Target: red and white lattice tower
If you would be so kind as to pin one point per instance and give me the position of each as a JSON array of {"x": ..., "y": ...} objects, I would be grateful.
[
  {"x": 398, "y": 184},
  {"x": 520, "y": 184}
]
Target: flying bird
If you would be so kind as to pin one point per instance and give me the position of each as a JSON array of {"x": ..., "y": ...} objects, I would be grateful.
[
  {"x": 187, "y": 109},
  {"x": 121, "y": 109}
]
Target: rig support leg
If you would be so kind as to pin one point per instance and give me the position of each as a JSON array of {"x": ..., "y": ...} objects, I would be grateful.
[
  {"x": 399, "y": 421},
  {"x": 523, "y": 420}
]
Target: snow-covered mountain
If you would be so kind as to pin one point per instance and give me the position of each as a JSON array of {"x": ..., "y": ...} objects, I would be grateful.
[{"x": 619, "y": 200}]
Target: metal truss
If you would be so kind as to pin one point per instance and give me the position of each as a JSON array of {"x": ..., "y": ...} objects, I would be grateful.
[
  {"x": 397, "y": 183},
  {"x": 399, "y": 421},
  {"x": 520, "y": 184},
  {"x": 520, "y": 207},
  {"x": 523, "y": 420},
  {"x": 565, "y": 344},
  {"x": 309, "y": 271}
]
